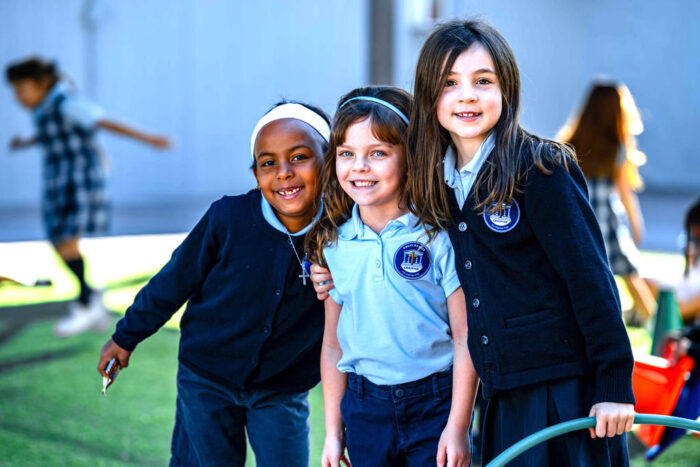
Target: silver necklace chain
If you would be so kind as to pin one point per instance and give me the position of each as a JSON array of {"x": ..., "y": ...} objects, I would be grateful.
[{"x": 303, "y": 274}]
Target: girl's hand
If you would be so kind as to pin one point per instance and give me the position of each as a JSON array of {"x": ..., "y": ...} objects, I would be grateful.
[
  {"x": 334, "y": 453},
  {"x": 454, "y": 447},
  {"x": 612, "y": 418},
  {"x": 20, "y": 143},
  {"x": 109, "y": 351},
  {"x": 322, "y": 279},
  {"x": 159, "y": 142}
]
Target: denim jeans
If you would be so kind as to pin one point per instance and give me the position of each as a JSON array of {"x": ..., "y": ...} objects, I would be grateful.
[
  {"x": 396, "y": 425},
  {"x": 211, "y": 421}
]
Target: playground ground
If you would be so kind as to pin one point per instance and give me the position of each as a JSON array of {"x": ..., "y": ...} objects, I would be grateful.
[{"x": 51, "y": 410}]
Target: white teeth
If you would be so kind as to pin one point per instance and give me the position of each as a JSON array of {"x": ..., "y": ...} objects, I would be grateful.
[
  {"x": 289, "y": 192},
  {"x": 468, "y": 114},
  {"x": 363, "y": 183}
]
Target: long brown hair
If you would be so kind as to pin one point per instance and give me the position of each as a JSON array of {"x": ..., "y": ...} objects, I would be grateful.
[
  {"x": 505, "y": 168},
  {"x": 598, "y": 133},
  {"x": 387, "y": 126}
]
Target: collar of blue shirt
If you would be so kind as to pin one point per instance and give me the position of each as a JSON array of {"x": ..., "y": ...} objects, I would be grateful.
[
  {"x": 271, "y": 218},
  {"x": 58, "y": 88},
  {"x": 354, "y": 227},
  {"x": 453, "y": 176}
]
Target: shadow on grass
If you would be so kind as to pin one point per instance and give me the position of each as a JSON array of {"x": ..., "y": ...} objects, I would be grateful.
[
  {"x": 16, "y": 318},
  {"x": 10, "y": 365},
  {"x": 94, "y": 450}
]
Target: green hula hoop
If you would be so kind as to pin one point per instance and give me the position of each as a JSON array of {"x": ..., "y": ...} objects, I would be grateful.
[{"x": 581, "y": 424}]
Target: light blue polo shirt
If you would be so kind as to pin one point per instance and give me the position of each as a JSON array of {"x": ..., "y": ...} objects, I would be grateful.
[
  {"x": 463, "y": 179},
  {"x": 393, "y": 288}
]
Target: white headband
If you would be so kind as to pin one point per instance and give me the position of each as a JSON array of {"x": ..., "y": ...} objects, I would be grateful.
[{"x": 295, "y": 111}]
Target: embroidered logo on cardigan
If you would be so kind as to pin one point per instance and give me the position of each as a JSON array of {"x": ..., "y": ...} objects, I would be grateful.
[{"x": 504, "y": 218}]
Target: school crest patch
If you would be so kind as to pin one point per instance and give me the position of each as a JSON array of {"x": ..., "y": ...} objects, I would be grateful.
[
  {"x": 412, "y": 260},
  {"x": 504, "y": 218}
]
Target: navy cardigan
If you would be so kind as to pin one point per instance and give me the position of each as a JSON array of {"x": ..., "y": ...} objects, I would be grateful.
[
  {"x": 250, "y": 322},
  {"x": 542, "y": 302}
]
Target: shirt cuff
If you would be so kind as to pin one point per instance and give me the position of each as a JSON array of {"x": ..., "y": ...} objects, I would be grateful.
[
  {"x": 335, "y": 296},
  {"x": 450, "y": 284}
]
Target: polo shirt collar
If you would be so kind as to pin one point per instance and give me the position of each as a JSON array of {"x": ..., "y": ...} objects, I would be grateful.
[
  {"x": 271, "y": 218},
  {"x": 354, "y": 227},
  {"x": 452, "y": 175},
  {"x": 57, "y": 89}
]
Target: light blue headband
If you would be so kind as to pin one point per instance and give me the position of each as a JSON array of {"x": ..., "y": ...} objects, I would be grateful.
[{"x": 378, "y": 101}]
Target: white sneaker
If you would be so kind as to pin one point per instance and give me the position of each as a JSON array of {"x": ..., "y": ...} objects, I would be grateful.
[
  {"x": 101, "y": 317},
  {"x": 76, "y": 321},
  {"x": 80, "y": 318}
]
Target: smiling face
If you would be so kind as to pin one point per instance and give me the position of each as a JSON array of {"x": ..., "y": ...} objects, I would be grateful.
[
  {"x": 370, "y": 171},
  {"x": 471, "y": 101},
  {"x": 288, "y": 155}
]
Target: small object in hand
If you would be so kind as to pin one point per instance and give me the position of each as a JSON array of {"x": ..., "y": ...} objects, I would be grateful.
[{"x": 112, "y": 371}]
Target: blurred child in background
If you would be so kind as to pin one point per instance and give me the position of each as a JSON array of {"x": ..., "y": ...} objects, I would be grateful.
[
  {"x": 73, "y": 201},
  {"x": 688, "y": 288},
  {"x": 603, "y": 137}
]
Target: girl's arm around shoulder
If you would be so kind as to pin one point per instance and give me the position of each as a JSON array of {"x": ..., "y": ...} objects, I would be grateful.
[
  {"x": 334, "y": 385},
  {"x": 454, "y": 442}
]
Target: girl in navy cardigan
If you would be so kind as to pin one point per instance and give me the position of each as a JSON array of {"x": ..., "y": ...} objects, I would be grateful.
[
  {"x": 251, "y": 334},
  {"x": 545, "y": 330}
]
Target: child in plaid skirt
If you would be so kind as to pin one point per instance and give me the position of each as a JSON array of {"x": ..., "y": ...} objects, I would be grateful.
[
  {"x": 603, "y": 136},
  {"x": 73, "y": 201}
]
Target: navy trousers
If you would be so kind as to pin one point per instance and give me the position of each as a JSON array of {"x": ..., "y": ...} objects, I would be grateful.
[
  {"x": 515, "y": 414},
  {"x": 211, "y": 421},
  {"x": 397, "y": 425}
]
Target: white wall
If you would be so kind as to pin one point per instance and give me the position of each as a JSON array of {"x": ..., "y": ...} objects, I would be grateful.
[{"x": 201, "y": 72}]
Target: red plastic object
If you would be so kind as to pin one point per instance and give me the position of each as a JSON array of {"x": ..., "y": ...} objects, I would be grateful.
[{"x": 657, "y": 385}]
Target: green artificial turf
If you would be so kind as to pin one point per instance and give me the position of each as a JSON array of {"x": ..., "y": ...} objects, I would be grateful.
[{"x": 51, "y": 410}]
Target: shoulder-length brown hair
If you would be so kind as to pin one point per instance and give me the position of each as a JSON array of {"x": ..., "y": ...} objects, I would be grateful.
[
  {"x": 515, "y": 149},
  {"x": 387, "y": 126}
]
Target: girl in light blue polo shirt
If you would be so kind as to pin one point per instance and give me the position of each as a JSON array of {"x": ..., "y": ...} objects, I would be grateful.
[{"x": 398, "y": 381}]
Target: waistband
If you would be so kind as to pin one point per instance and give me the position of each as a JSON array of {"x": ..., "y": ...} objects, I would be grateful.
[{"x": 438, "y": 384}]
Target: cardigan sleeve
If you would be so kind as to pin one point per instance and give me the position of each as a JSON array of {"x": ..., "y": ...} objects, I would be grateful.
[
  {"x": 171, "y": 287},
  {"x": 566, "y": 228}
]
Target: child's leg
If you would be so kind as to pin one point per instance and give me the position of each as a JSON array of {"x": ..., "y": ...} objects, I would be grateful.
[
  {"x": 370, "y": 432},
  {"x": 70, "y": 253},
  {"x": 209, "y": 426},
  {"x": 425, "y": 410},
  {"x": 278, "y": 427}
]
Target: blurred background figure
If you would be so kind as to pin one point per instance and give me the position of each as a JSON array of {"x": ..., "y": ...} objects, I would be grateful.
[
  {"x": 688, "y": 288},
  {"x": 73, "y": 201},
  {"x": 603, "y": 135}
]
